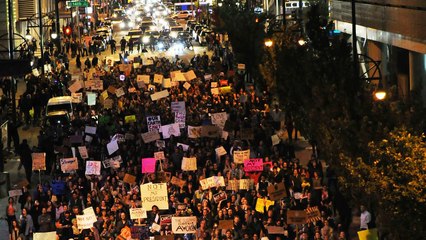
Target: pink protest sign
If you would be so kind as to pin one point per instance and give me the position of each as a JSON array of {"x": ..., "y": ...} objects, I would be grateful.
[
  {"x": 148, "y": 165},
  {"x": 253, "y": 165}
]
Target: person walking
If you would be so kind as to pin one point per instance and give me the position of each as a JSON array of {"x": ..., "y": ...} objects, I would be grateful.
[
  {"x": 123, "y": 44},
  {"x": 25, "y": 152},
  {"x": 78, "y": 61}
]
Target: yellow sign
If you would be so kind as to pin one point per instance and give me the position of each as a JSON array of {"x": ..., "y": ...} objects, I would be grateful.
[{"x": 370, "y": 234}]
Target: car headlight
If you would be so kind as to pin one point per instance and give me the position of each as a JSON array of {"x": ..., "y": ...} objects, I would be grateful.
[
  {"x": 173, "y": 34},
  {"x": 145, "y": 39},
  {"x": 122, "y": 25}
]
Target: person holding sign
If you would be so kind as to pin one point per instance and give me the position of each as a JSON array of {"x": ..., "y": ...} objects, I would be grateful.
[{"x": 24, "y": 152}]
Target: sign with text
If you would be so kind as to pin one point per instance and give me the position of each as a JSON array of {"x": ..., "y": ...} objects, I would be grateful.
[
  {"x": 177, "y": 181},
  {"x": 189, "y": 164},
  {"x": 180, "y": 118},
  {"x": 183, "y": 225},
  {"x": 85, "y": 221},
  {"x": 93, "y": 168},
  {"x": 137, "y": 213},
  {"x": 240, "y": 156},
  {"x": 178, "y": 106},
  {"x": 83, "y": 152},
  {"x": 296, "y": 217},
  {"x": 150, "y": 136},
  {"x": 68, "y": 164},
  {"x": 154, "y": 123},
  {"x": 170, "y": 130},
  {"x": 148, "y": 165},
  {"x": 159, "y": 95},
  {"x": 128, "y": 178},
  {"x": 219, "y": 197},
  {"x": 277, "y": 191},
  {"x": 253, "y": 165},
  {"x": 159, "y": 155},
  {"x": 312, "y": 214},
  {"x": 194, "y": 132},
  {"x": 154, "y": 194}
]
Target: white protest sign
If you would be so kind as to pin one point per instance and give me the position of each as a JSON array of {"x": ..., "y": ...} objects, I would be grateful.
[
  {"x": 177, "y": 76},
  {"x": 156, "y": 227},
  {"x": 275, "y": 139},
  {"x": 77, "y": 97},
  {"x": 183, "y": 225},
  {"x": 159, "y": 155},
  {"x": 190, "y": 75},
  {"x": 83, "y": 152},
  {"x": 150, "y": 136},
  {"x": 169, "y": 130},
  {"x": 219, "y": 119},
  {"x": 180, "y": 118},
  {"x": 194, "y": 132},
  {"x": 14, "y": 193},
  {"x": 112, "y": 147},
  {"x": 93, "y": 168},
  {"x": 68, "y": 164},
  {"x": 185, "y": 147},
  {"x": 186, "y": 85},
  {"x": 189, "y": 164},
  {"x": 159, "y": 95},
  {"x": 167, "y": 83},
  {"x": 214, "y": 91},
  {"x": 158, "y": 78},
  {"x": 119, "y": 92},
  {"x": 44, "y": 235},
  {"x": 137, "y": 213},
  {"x": 220, "y": 151},
  {"x": 91, "y": 99},
  {"x": 178, "y": 106},
  {"x": 240, "y": 156},
  {"x": 85, "y": 221},
  {"x": 154, "y": 194},
  {"x": 154, "y": 123}
]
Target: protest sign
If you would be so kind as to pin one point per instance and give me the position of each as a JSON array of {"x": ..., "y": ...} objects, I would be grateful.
[
  {"x": 185, "y": 147},
  {"x": 189, "y": 164},
  {"x": 44, "y": 235},
  {"x": 112, "y": 147},
  {"x": 154, "y": 123},
  {"x": 130, "y": 119},
  {"x": 296, "y": 217},
  {"x": 177, "y": 76},
  {"x": 194, "y": 132},
  {"x": 83, "y": 152},
  {"x": 125, "y": 233},
  {"x": 154, "y": 194},
  {"x": 164, "y": 237},
  {"x": 77, "y": 97},
  {"x": 108, "y": 103},
  {"x": 91, "y": 99},
  {"x": 178, "y": 106},
  {"x": 93, "y": 168},
  {"x": 312, "y": 214},
  {"x": 169, "y": 130},
  {"x": 275, "y": 139},
  {"x": 137, "y": 213},
  {"x": 180, "y": 118},
  {"x": 14, "y": 193},
  {"x": 246, "y": 184},
  {"x": 159, "y": 155},
  {"x": 85, "y": 221},
  {"x": 128, "y": 178},
  {"x": 155, "y": 227},
  {"x": 190, "y": 75},
  {"x": 215, "y": 181},
  {"x": 233, "y": 185},
  {"x": 68, "y": 164},
  {"x": 208, "y": 77},
  {"x": 119, "y": 92},
  {"x": 160, "y": 143},
  {"x": 166, "y": 219},
  {"x": 223, "y": 82},
  {"x": 131, "y": 90},
  {"x": 139, "y": 232},
  {"x": 148, "y": 62},
  {"x": 136, "y": 65},
  {"x": 241, "y": 66},
  {"x": 277, "y": 191},
  {"x": 187, "y": 85},
  {"x": 219, "y": 119},
  {"x": 177, "y": 181},
  {"x": 39, "y": 161},
  {"x": 96, "y": 84},
  {"x": 369, "y": 234},
  {"x": 111, "y": 89},
  {"x": 219, "y": 197},
  {"x": 240, "y": 156},
  {"x": 262, "y": 204},
  {"x": 159, "y": 95},
  {"x": 158, "y": 78},
  {"x": 148, "y": 165},
  {"x": 183, "y": 225},
  {"x": 226, "y": 224},
  {"x": 211, "y": 131},
  {"x": 220, "y": 151},
  {"x": 167, "y": 83},
  {"x": 76, "y": 86},
  {"x": 213, "y": 84},
  {"x": 106, "y": 163},
  {"x": 253, "y": 165},
  {"x": 214, "y": 91},
  {"x": 143, "y": 78},
  {"x": 275, "y": 230}
]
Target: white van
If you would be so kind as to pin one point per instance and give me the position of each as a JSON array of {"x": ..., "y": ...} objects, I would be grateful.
[{"x": 63, "y": 103}]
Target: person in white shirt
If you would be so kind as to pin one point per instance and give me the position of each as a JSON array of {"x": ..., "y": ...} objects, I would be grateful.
[{"x": 365, "y": 218}]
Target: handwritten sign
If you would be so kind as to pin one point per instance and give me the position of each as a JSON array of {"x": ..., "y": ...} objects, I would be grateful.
[
  {"x": 180, "y": 118},
  {"x": 262, "y": 204},
  {"x": 177, "y": 181},
  {"x": 91, "y": 99},
  {"x": 14, "y": 193},
  {"x": 240, "y": 156},
  {"x": 68, "y": 164},
  {"x": 83, "y": 152},
  {"x": 215, "y": 181},
  {"x": 219, "y": 197},
  {"x": 194, "y": 132},
  {"x": 159, "y": 155},
  {"x": 148, "y": 165},
  {"x": 190, "y": 75},
  {"x": 277, "y": 191},
  {"x": 296, "y": 217},
  {"x": 128, "y": 178},
  {"x": 189, "y": 164},
  {"x": 220, "y": 151},
  {"x": 233, "y": 185},
  {"x": 39, "y": 161},
  {"x": 253, "y": 165},
  {"x": 219, "y": 119},
  {"x": 137, "y": 213},
  {"x": 178, "y": 106},
  {"x": 44, "y": 235},
  {"x": 150, "y": 137},
  {"x": 158, "y": 78},
  {"x": 154, "y": 194},
  {"x": 170, "y": 130},
  {"x": 159, "y": 95},
  {"x": 246, "y": 184},
  {"x": 77, "y": 97},
  {"x": 154, "y": 123},
  {"x": 177, "y": 76},
  {"x": 85, "y": 221},
  {"x": 312, "y": 214},
  {"x": 93, "y": 168},
  {"x": 183, "y": 225}
]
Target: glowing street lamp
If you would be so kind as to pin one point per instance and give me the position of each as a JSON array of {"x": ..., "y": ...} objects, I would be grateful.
[{"x": 268, "y": 42}]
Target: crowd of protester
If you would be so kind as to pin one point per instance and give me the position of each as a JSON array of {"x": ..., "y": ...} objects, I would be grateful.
[{"x": 44, "y": 208}]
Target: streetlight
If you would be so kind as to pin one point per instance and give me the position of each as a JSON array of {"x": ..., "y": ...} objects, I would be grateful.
[
  {"x": 54, "y": 35},
  {"x": 301, "y": 41},
  {"x": 268, "y": 42},
  {"x": 28, "y": 35}
]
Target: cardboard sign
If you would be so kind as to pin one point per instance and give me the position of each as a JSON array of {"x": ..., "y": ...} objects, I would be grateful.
[
  {"x": 219, "y": 119},
  {"x": 108, "y": 104},
  {"x": 183, "y": 225},
  {"x": 190, "y": 75},
  {"x": 177, "y": 181},
  {"x": 68, "y": 164},
  {"x": 240, "y": 156},
  {"x": 296, "y": 217},
  {"x": 77, "y": 97},
  {"x": 112, "y": 147},
  {"x": 233, "y": 185},
  {"x": 39, "y": 161},
  {"x": 154, "y": 123},
  {"x": 220, "y": 151},
  {"x": 187, "y": 85},
  {"x": 44, "y": 235},
  {"x": 167, "y": 83},
  {"x": 91, "y": 99},
  {"x": 137, "y": 213},
  {"x": 159, "y": 95},
  {"x": 155, "y": 227},
  {"x": 93, "y": 168},
  {"x": 277, "y": 191},
  {"x": 253, "y": 165},
  {"x": 159, "y": 155},
  {"x": 211, "y": 131},
  {"x": 177, "y": 76},
  {"x": 180, "y": 118},
  {"x": 215, "y": 91},
  {"x": 219, "y": 197},
  {"x": 148, "y": 165},
  {"x": 143, "y": 78},
  {"x": 194, "y": 132},
  {"x": 14, "y": 193},
  {"x": 164, "y": 237},
  {"x": 83, "y": 152},
  {"x": 246, "y": 184},
  {"x": 312, "y": 214},
  {"x": 76, "y": 86},
  {"x": 96, "y": 84},
  {"x": 275, "y": 140},
  {"x": 275, "y": 230},
  {"x": 262, "y": 204},
  {"x": 189, "y": 164},
  {"x": 158, "y": 78},
  {"x": 369, "y": 234},
  {"x": 154, "y": 194},
  {"x": 85, "y": 221},
  {"x": 119, "y": 92},
  {"x": 178, "y": 106},
  {"x": 128, "y": 178},
  {"x": 226, "y": 224},
  {"x": 150, "y": 137},
  {"x": 170, "y": 130}
]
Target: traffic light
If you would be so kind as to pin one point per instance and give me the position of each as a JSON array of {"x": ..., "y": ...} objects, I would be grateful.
[{"x": 67, "y": 31}]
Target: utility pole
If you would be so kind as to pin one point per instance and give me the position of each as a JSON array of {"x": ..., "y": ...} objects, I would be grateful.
[{"x": 354, "y": 41}]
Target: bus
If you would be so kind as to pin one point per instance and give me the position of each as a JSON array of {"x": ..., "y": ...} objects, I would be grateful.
[{"x": 188, "y": 6}]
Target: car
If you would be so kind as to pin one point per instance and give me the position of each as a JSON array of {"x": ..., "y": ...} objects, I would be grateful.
[
  {"x": 184, "y": 14},
  {"x": 175, "y": 30},
  {"x": 118, "y": 14},
  {"x": 146, "y": 25},
  {"x": 202, "y": 37},
  {"x": 196, "y": 28},
  {"x": 105, "y": 32},
  {"x": 62, "y": 103},
  {"x": 100, "y": 41},
  {"x": 156, "y": 34},
  {"x": 56, "y": 125},
  {"x": 134, "y": 34},
  {"x": 184, "y": 35}
]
